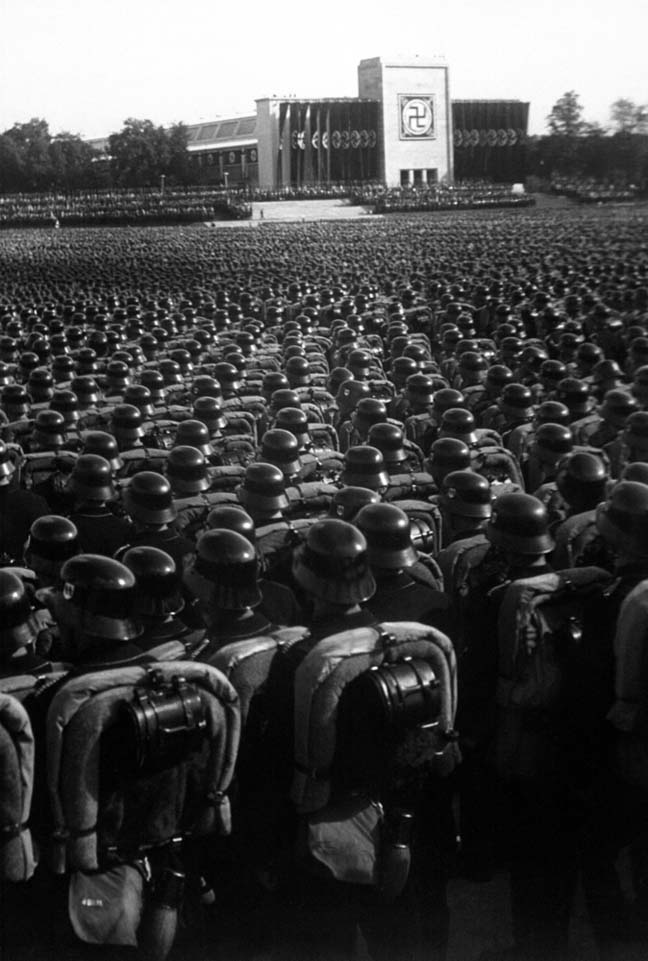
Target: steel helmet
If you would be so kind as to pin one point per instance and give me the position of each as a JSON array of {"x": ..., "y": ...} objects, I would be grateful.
[
  {"x": 102, "y": 591},
  {"x": 186, "y": 469},
  {"x": 158, "y": 585},
  {"x": 332, "y": 564},
  {"x": 232, "y": 517},
  {"x": 465, "y": 493},
  {"x": 623, "y": 518},
  {"x": 228, "y": 561},
  {"x": 519, "y": 523},
  {"x": 263, "y": 490},
  {"x": 281, "y": 448},
  {"x": 364, "y": 467},
  {"x": 582, "y": 480},
  {"x": 348, "y": 501},
  {"x": 148, "y": 498},
  {"x": 17, "y": 625},
  {"x": 388, "y": 534},
  {"x": 390, "y": 441}
]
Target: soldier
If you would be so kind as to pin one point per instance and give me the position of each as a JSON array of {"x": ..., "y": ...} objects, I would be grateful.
[
  {"x": 581, "y": 483},
  {"x": 159, "y": 600},
  {"x": 148, "y": 501},
  {"x": 403, "y": 592},
  {"x": 278, "y": 603},
  {"x": 263, "y": 493},
  {"x": 91, "y": 488},
  {"x": 224, "y": 580},
  {"x": 281, "y": 448},
  {"x": 95, "y": 614},
  {"x": 364, "y": 467},
  {"x": 518, "y": 533},
  {"x": 186, "y": 471},
  {"x": 52, "y": 541},
  {"x": 18, "y": 509},
  {"x": 19, "y": 630}
]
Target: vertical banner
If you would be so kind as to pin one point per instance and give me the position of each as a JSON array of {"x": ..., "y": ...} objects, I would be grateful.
[
  {"x": 328, "y": 143},
  {"x": 320, "y": 151},
  {"x": 308, "y": 147}
]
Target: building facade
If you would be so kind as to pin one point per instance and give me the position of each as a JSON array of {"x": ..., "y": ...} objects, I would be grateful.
[{"x": 401, "y": 129}]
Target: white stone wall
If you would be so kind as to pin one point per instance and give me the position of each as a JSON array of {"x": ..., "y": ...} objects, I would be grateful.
[{"x": 388, "y": 79}]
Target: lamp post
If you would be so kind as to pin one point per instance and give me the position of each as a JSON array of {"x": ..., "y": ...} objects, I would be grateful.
[{"x": 162, "y": 179}]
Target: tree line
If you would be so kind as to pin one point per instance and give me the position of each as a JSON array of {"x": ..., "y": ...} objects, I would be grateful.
[
  {"x": 575, "y": 147},
  {"x": 32, "y": 159}
]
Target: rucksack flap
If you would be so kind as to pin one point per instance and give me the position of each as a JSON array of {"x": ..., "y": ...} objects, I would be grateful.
[
  {"x": 333, "y": 664},
  {"x": 16, "y": 789},
  {"x": 78, "y": 716}
]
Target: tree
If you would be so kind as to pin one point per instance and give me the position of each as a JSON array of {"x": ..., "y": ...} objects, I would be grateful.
[
  {"x": 139, "y": 152},
  {"x": 179, "y": 168},
  {"x": 31, "y": 142},
  {"x": 629, "y": 117},
  {"x": 566, "y": 117},
  {"x": 71, "y": 159}
]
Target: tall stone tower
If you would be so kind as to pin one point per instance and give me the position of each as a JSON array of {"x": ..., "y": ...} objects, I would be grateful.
[{"x": 415, "y": 135}]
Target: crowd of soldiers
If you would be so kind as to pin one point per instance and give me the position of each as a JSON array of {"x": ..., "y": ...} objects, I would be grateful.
[
  {"x": 466, "y": 195},
  {"x": 111, "y": 207},
  {"x": 589, "y": 190},
  {"x": 449, "y": 424}
]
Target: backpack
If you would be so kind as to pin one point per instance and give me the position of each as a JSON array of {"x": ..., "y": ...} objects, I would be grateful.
[
  {"x": 235, "y": 450},
  {"x": 373, "y": 707},
  {"x": 171, "y": 728},
  {"x": 426, "y": 523},
  {"x": 629, "y": 713},
  {"x": 324, "y": 436},
  {"x": 499, "y": 467},
  {"x": 539, "y": 627},
  {"x": 17, "y": 861},
  {"x": 417, "y": 427},
  {"x": 333, "y": 663},
  {"x": 275, "y": 544},
  {"x": 40, "y": 466}
]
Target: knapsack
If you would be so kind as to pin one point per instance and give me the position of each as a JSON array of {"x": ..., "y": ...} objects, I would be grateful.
[
  {"x": 143, "y": 810},
  {"x": 16, "y": 789},
  {"x": 499, "y": 467},
  {"x": 629, "y": 713},
  {"x": 276, "y": 543},
  {"x": 539, "y": 627},
  {"x": 425, "y": 523},
  {"x": 374, "y": 710},
  {"x": 330, "y": 666}
]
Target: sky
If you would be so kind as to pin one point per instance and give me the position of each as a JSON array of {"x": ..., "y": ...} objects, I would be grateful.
[{"x": 87, "y": 65}]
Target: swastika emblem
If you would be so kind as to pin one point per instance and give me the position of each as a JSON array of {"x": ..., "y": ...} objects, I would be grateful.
[{"x": 416, "y": 117}]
